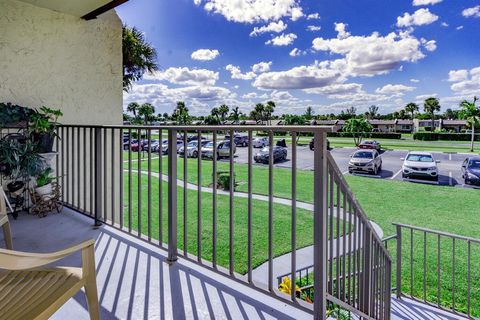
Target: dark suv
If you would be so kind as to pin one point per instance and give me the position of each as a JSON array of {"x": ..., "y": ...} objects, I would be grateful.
[
  {"x": 238, "y": 139},
  {"x": 471, "y": 170}
]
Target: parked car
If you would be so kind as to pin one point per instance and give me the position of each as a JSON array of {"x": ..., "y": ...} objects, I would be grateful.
[
  {"x": 260, "y": 142},
  {"x": 471, "y": 170},
  {"x": 368, "y": 161},
  {"x": 157, "y": 145},
  {"x": 126, "y": 143},
  {"x": 312, "y": 144},
  {"x": 223, "y": 150},
  {"x": 192, "y": 148},
  {"x": 370, "y": 144},
  {"x": 279, "y": 154},
  {"x": 165, "y": 146},
  {"x": 153, "y": 142},
  {"x": 420, "y": 165},
  {"x": 239, "y": 139}
]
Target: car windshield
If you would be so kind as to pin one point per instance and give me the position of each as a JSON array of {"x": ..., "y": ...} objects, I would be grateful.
[
  {"x": 474, "y": 164},
  {"x": 363, "y": 155},
  {"x": 420, "y": 158},
  {"x": 209, "y": 145},
  {"x": 266, "y": 149},
  {"x": 192, "y": 144},
  {"x": 368, "y": 142}
]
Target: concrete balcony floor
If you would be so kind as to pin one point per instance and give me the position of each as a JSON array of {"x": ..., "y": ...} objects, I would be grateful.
[{"x": 135, "y": 282}]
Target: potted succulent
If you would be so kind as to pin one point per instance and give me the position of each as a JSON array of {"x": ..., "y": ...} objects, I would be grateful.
[
  {"x": 44, "y": 183},
  {"x": 43, "y": 128}
]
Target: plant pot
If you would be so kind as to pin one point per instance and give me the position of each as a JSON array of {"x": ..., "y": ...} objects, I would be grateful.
[
  {"x": 44, "y": 142},
  {"x": 15, "y": 186},
  {"x": 44, "y": 191}
]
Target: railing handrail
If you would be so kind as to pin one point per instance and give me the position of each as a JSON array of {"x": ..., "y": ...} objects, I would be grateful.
[
  {"x": 358, "y": 207},
  {"x": 441, "y": 233},
  {"x": 197, "y": 128}
]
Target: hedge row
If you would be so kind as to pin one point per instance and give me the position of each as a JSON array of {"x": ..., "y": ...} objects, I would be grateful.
[
  {"x": 434, "y": 136},
  {"x": 373, "y": 135}
]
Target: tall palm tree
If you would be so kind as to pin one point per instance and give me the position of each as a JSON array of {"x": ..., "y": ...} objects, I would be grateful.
[
  {"x": 431, "y": 105},
  {"x": 133, "y": 108},
  {"x": 358, "y": 127},
  {"x": 146, "y": 110},
  {"x": 235, "y": 115},
  {"x": 181, "y": 114},
  {"x": 139, "y": 56},
  {"x": 471, "y": 113},
  {"x": 258, "y": 113},
  {"x": 411, "y": 108},
  {"x": 223, "y": 111},
  {"x": 268, "y": 111}
]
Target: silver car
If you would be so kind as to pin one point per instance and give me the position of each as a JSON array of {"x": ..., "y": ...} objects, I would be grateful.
[
  {"x": 368, "y": 161},
  {"x": 223, "y": 150},
  {"x": 192, "y": 148},
  {"x": 165, "y": 146}
]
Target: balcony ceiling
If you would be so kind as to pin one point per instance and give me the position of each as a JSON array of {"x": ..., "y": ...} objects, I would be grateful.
[{"x": 75, "y": 8}]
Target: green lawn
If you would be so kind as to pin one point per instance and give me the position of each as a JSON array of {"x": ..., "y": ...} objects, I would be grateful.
[{"x": 281, "y": 224}]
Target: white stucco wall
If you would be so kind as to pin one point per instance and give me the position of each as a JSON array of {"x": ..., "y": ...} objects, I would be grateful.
[{"x": 61, "y": 61}]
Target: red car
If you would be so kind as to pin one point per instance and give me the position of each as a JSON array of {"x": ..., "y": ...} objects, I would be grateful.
[{"x": 370, "y": 144}]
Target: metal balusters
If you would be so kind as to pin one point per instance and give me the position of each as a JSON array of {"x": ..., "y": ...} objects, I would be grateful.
[
  {"x": 214, "y": 201},
  {"x": 130, "y": 186},
  {"x": 77, "y": 178},
  {"x": 160, "y": 188},
  {"x": 172, "y": 196},
  {"x": 85, "y": 170},
  {"x": 453, "y": 273},
  {"x": 469, "y": 251},
  {"x": 438, "y": 270},
  {"x": 185, "y": 194},
  {"x": 149, "y": 183},
  {"x": 249, "y": 204},
  {"x": 139, "y": 183},
  {"x": 104, "y": 174},
  {"x": 92, "y": 171},
  {"x": 411, "y": 262},
  {"x": 270, "y": 211},
  {"x": 337, "y": 237},
  {"x": 112, "y": 176},
  {"x": 199, "y": 196},
  {"x": 121, "y": 183},
  {"x": 294, "y": 215},
  {"x": 231, "y": 203}
]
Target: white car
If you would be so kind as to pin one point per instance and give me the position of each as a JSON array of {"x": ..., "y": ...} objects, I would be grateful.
[
  {"x": 192, "y": 148},
  {"x": 165, "y": 146},
  {"x": 420, "y": 165},
  {"x": 368, "y": 161},
  {"x": 260, "y": 142}
]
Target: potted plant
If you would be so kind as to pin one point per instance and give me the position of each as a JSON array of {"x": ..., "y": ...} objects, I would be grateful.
[
  {"x": 19, "y": 162},
  {"x": 43, "y": 128},
  {"x": 44, "y": 183},
  {"x": 13, "y": 116}
]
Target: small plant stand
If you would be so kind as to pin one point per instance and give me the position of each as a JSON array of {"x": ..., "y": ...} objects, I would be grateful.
[{"x": 42, "y": 205}]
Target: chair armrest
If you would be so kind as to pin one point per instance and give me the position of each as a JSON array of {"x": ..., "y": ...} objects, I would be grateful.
[{"x": 18, "y": 260}]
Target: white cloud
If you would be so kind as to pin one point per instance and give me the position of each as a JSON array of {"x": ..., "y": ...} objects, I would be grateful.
[
  {"x": 465, "y": 82},
  {"x": 248, "y": 11},
  {"x": 418, "y": 18},
  {"x": 271, "y": 27},
  {"x": 250, "y": 95},
  {"x": 280, "y": 95},
  {"x": 444, "y": 24},
  {"x": 424, "y": 97},
  {"x": 459, "y": 28},
  {"x": 262, "y": 67},
  {"x": 314, "y": 28},
  {"x": 472, "y": 12},
  {"x": 336, "y": 89},
  {"x": 341, "y": 32},
  {"x": 302, "y": 77},
  {"x": 282, "y": 40},
  {"x": 374, "y": 54},
  {"x": 204, "y": 54},
  {"x": 297, "y": 13},
  {"x": 414, "y": 80},
  {"x": 430, "y": 45},
  {"x": 394, "y": 89},
  {"x": 185, "y": 76},
  {"x": 425, "y": 2},
  {"x": 236, "y": 73},
  {"x": 297, "y": 52},
  {"x": 313, "y": 16}
]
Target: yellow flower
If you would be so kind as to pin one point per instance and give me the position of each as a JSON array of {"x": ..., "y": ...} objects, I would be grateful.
[{"x": 286, "y": 286}]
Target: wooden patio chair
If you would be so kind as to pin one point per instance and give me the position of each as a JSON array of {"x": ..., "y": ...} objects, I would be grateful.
[
  {"x": 4, "y": 223},
  {"x": 29, "y": 291}
]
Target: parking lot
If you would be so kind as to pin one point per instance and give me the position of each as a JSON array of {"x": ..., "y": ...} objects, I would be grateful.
[{"x": 449, "y": 166}]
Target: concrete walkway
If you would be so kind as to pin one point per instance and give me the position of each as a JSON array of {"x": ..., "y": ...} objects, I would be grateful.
[{"x": 304, "y": 256}]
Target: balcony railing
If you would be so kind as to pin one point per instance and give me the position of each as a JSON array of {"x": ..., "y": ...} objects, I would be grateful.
[
  {"x": 437, "y": 268},
  {"x": 174, "y": 203}
]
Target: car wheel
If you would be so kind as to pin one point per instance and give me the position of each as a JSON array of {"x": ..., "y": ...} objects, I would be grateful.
[
  {"x": 404, "y": 176},
  {"x": 195, "y": 154}
]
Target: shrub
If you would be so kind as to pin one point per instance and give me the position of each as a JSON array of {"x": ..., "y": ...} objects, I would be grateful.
[
  {"x": 368, "y": 135},
  {"x": 430, "y": 136},
  {"x": 223, "y": 180}
]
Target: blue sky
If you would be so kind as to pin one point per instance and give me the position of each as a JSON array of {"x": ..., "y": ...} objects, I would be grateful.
[{"x": 326, "y": 54}]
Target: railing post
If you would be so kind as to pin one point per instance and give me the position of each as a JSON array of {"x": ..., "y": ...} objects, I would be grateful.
[
  {"x": 172, "y": 196},
  {"x": 98, "y": 176},
  {"x": 367, "y": 270},
  {"x": 399, "y": 262},
  {"x": 320, "y": 225}
]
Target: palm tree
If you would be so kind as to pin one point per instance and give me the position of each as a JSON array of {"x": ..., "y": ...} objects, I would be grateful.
[
  {"x": 181, "y": 114},
  {"x": 372, "y": 112},
  {"x": 139, "y": 56},
  {"x": 235, "y": 115},
  {"x": 411, "y": 108},
  {"x": 268, "y": 111},
  {"x": 309, "y": 113},
  {"x": 358, "y": 127},
  {"x": 146, "y": 110},
  {"x": 223, "y": 111},
  {"x": 431, "y": 105},
  {"x": 471, "y": 113},
  {"x": 133, "y": 107},
  {"x": 258, "y": 112}
]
